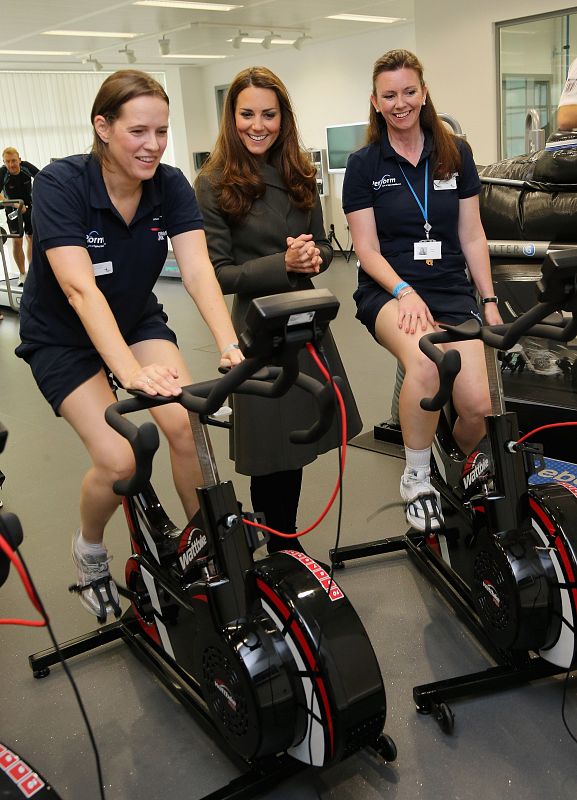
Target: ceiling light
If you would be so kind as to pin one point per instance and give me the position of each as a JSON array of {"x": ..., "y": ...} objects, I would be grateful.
[
  {"x": 164, "y": 46},
  {"x": 191, "y": 55},
  {"x": 186, "y": 4},
  {"x": 35, "y": 53},
  {"x": 364, "y": 18},
  {"x": 257, "y": 40},
  {"x": 96, "y": 65},
  {"x": 238, "y": 40},
  {"x": 298, "y": 43},
  {"x": 130, "y": 56},
  {"x": 100, "y": 34}
]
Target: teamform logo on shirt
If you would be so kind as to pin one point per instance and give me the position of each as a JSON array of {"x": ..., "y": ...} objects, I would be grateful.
[
  {"x": 386, "y": 181},
  {"x": 95, "y": 239}
]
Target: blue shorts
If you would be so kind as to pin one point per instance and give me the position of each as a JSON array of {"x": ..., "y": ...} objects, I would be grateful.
[
  {"x": 59, "y": 370},
  {"x": 453, "y": 306}
]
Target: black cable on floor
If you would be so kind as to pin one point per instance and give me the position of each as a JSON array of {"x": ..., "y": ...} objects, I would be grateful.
[{"x": 563, "y": 706}]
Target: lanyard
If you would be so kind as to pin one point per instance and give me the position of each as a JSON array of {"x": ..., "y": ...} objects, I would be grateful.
[{"x": 425, "y": 208}]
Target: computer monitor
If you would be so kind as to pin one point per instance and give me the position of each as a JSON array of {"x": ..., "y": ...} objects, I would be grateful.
[{"x": 342, "y": 140}]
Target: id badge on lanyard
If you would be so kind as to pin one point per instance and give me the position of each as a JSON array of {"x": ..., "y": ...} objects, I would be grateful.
[{"x": 428, "y": 249}]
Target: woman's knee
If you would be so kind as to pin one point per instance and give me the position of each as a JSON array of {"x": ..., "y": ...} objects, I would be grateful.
[
  {"x": 176, "y": 427},
  {"x": 421, "y": 371},
  {"x": 115, "y": 462}
]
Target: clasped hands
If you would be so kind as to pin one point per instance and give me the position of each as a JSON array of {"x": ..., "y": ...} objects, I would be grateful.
[{"x": 302, "y": 255}]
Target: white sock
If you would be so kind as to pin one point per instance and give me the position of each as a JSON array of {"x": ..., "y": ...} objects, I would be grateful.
[
  {"x": 418, "y": 460},
  {"x": 88, "y": 548}
]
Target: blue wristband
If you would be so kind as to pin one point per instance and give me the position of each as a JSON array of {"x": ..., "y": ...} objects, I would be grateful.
[{"x": 401, "y": 285}]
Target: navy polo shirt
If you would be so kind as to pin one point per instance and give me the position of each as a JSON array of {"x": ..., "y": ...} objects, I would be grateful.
[
  {"x": 374, "y": 179},
  {"x": 72, "y": 207}
]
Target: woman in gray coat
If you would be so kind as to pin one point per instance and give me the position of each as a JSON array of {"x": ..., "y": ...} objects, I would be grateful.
[{"x": 265, "y": 234}]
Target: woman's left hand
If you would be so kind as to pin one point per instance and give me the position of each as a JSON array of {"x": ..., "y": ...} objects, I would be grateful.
[
  {"x": 491, "y": 314},
  {"x": 230, "y": 357}
]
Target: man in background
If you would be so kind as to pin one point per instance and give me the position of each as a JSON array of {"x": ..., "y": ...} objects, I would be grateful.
[{"x": 16, "y": 184}]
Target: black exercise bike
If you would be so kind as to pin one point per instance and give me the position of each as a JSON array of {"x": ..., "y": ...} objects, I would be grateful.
[
  {"x": 506, "y": 558},
  {"x": 270, "y": 653}
]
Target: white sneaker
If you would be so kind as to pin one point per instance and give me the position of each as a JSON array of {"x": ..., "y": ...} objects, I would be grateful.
[
  {"x": 96, "y": 589},
  {"x": 422, "y": 502}
]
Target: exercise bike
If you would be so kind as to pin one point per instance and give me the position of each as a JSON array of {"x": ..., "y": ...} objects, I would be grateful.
[
  {"x": 10, "y": 292},
  {"x": 507, "y": 557},
  {"x": 269, "y": 653},
  {"x": 18, "y": 779}
]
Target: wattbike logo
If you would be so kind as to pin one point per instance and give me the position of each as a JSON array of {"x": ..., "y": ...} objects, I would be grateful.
[
  {"x": 192, "y": 544},
  {"x": 95, "y": 239},
  {"x": 226, "y": 693},
  {"x": 492, "y": 592},
  {"x": 477, "y": 465}
]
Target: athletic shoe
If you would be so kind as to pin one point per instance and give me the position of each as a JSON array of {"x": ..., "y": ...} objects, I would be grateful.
[
  {"x": 97, "y": 591},
  {"x": 422, "y": 502}
]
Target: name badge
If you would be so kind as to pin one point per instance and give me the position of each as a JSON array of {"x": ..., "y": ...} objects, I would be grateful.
[
  {"x": 102, "y": 268},
  {"x": 448, "y": 183},
  {"x": 426, "y": 250}
]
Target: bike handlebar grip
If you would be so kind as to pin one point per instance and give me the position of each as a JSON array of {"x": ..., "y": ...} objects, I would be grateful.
[
  {"x": 144, "y": 442},
  {"x": 325, "y": 399},
  {"x": 449, "y": 367}
]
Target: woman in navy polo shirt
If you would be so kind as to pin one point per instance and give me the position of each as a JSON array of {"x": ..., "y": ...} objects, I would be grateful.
[
  {"x": 411, "y": 200},
  {"x": 101, "y": 223}
]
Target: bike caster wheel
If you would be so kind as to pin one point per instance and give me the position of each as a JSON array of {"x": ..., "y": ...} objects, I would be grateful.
[
  {"x": 386, "y": 748},
  {"x": 444, "y": 717}
]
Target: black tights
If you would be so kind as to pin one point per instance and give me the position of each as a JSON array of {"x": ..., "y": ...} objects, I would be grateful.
[{"x": 277, "y": 496}]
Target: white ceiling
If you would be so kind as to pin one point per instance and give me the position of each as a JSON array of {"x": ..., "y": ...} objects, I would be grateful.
[{"x": 202, "y": 32}]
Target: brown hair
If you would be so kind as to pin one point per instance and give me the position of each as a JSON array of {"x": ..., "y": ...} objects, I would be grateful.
[
  {"x": 233, "y": 170},
  {"x": 118, "y": 89},
  {"x": 10, "y": 151},
  {"x": 447, "y": 158}
]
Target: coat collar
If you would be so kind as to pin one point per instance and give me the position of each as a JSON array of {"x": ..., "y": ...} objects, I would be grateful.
[{"x": 271, "y": 176}]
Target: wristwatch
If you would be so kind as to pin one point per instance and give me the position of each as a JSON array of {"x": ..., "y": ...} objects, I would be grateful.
[{"x": 486, "y": 300}]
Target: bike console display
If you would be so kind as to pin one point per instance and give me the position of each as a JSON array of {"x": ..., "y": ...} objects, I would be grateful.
[{"x": 277, "y": 319}]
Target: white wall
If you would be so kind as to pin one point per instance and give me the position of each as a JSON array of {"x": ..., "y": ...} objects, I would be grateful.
[
  {"x": 455, "y": 41},
  {"x": 329, "y": 83}
]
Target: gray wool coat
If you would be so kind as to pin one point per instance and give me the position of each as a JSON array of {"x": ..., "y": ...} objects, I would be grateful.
[{"x": 248, "y": 257}]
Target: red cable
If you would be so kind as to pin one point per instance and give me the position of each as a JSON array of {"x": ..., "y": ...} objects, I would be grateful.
[
  {"x": 11, "y": 554},
  {"x": 341, "y": 402},
  {"x": 544, "y": 428}
]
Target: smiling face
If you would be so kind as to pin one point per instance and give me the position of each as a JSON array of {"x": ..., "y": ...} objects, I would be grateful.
[
  {"x": 399, "y": 98},
  {"x": 136, "y": 139},
  {"x": 257, "y": 117}
]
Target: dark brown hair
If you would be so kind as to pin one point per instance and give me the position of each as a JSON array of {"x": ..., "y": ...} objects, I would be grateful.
[
  {"x": 233, "y": 170},
  {"x": 118, "y": 89},
  {"x": 447, "y": 158}
]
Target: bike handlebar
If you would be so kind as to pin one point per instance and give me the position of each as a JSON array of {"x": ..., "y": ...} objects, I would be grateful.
[
  {"x": 557, "y": 290},
  {"x": 205, "y": 398}
]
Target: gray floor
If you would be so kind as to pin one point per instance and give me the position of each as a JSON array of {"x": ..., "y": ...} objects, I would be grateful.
[{"x": 511, "y": 744}]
